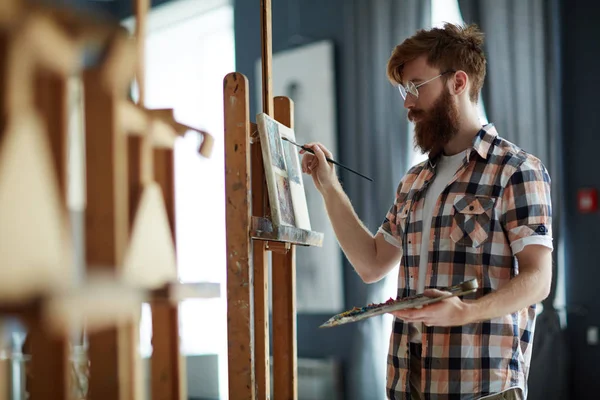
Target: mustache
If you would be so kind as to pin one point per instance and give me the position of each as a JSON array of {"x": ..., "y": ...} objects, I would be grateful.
[{"x": 412, "y": 114}]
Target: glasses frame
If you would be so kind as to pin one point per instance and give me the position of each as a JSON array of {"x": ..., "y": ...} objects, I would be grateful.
[{"x": 411, "y": 88}]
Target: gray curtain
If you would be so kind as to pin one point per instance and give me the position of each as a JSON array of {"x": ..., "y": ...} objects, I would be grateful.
[
  {"x": 374, "y": 139},
  {"x": 522, "y": 98}
]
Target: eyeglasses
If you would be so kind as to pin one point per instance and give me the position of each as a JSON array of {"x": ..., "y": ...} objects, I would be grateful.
[{"x": 413, "y": 89}]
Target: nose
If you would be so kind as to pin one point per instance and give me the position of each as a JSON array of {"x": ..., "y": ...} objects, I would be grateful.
[{"x": 409, "y": 102}]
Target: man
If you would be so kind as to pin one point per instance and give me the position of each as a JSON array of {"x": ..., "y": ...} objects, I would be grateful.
[{"x": 479, "y": 207}]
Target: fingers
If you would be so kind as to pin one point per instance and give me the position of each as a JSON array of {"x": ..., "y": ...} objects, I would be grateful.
[
  {"x": 314, "y": 145},
  {"x": 435, "y": 293},
  {"x": 413, "y": 318},
  {"x": 306, "y": 161},
  {"x": 311, "y": 161},
  {"x": 410, "y": 315},
  {"x": 320, "y": 155}
]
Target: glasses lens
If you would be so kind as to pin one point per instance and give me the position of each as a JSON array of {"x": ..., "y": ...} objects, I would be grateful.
[
  {"x": 402, "y": 91},
  {"x": 412, "y": 89}
]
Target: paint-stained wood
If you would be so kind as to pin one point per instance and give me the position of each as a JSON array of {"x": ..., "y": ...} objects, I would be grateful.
[
  {"x": 4, "y": 367},
  {"x": 240, "y": 317},
  {"x": 261, "y": 277},
  {"x": 164, "y": 175},
  {"x": 50, "y": 367},
  {"x": 106, "y": 236},
  {"x": 266, "y": 35},
  {"x": 52, "y": 102},
  {"x": 167, "y": 363},
  {"x": 3, "y": 81},
  {"x": 263, "y": 229},
  {"x": 285, "y": 371}
]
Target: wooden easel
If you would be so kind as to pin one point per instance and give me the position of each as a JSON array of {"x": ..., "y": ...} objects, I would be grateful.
[{"x": 250, "y": 234}]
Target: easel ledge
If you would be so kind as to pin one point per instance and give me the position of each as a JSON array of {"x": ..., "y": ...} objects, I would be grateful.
[{"x": 263, "y": 229}]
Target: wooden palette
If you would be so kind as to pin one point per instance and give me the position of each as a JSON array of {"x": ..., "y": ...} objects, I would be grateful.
[{"x": 417, "y": 301}]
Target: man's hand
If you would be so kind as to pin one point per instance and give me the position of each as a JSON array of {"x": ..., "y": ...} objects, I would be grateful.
[
  {"x": 322, "y": 172},
  {"x": 448, "y": 312}
]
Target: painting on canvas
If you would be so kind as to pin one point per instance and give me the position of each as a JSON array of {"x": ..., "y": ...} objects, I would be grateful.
[{"x": 283, "y": 174}]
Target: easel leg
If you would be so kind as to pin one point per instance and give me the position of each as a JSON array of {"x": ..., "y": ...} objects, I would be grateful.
[
  {"x": 284, "y": 325},
  {"x": 50, "y": 356},
  {"x": 261, "y": 278},
  {"x": 52, "y": 101},
  {"x": 50, "y": 366},
  {"x": 111, "y": 351},
  {"x": 167, "y": 364},
  {"x": 240, "y": 273},
  {"x": 284, "y": 297},
  {"x": 261, "y": 319}
]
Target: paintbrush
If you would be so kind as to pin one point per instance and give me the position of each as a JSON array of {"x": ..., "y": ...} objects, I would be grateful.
[{"x": 327, "y": 158}]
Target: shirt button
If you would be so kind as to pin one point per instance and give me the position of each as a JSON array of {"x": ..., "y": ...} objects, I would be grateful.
[{"x": 471, "y": 208}]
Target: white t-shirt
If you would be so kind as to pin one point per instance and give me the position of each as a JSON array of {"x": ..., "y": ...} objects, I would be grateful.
[{"x": 444, "y": 172}]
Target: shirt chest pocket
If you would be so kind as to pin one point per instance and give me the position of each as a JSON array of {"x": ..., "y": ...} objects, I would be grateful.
[
  {"x": 403, "y": 219},
  {"x": 471, "y": 221}
]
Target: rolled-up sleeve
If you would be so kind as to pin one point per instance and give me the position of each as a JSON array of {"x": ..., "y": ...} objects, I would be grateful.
[
  {"x": 527, "y": 206},
  {"x": 388, "y": 227}
]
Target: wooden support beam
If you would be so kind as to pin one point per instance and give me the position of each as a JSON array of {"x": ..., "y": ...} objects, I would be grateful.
[
  {"x": 266, "y": 40},
  {"x": 50, "y": 365},
  {"x": 240, "y": 274},
  {"x": 4, "y": 365},
  {"x": 52, "y": 102},
  {"x": 167, "y": 363},
  {"x": 260, "y": 209},
  {"x": 261, "y": 276},
  {"x": 285, "y": 355},
  {"x": 50, "y": 368},
  {"x": 106, "y": 233},
  {"x": 164, "y": 175},
  {"x": 283, "y": 269},
  {"x": 3, "y": 81}
]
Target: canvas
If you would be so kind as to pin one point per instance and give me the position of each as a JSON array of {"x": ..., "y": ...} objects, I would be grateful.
[{"x": 283, "y": 174}]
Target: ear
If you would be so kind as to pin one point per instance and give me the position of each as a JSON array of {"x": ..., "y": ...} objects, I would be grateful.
[{"x": 460, "y": 82}]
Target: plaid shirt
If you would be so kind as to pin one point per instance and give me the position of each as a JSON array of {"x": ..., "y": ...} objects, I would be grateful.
[{"x": 498, "y": 200}]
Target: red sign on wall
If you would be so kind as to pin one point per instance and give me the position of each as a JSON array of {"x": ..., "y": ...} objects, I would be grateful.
[{"x": 587, "y": 200}]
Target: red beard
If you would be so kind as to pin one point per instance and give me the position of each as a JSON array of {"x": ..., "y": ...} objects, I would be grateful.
[{"x": 436, "y": 127}]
